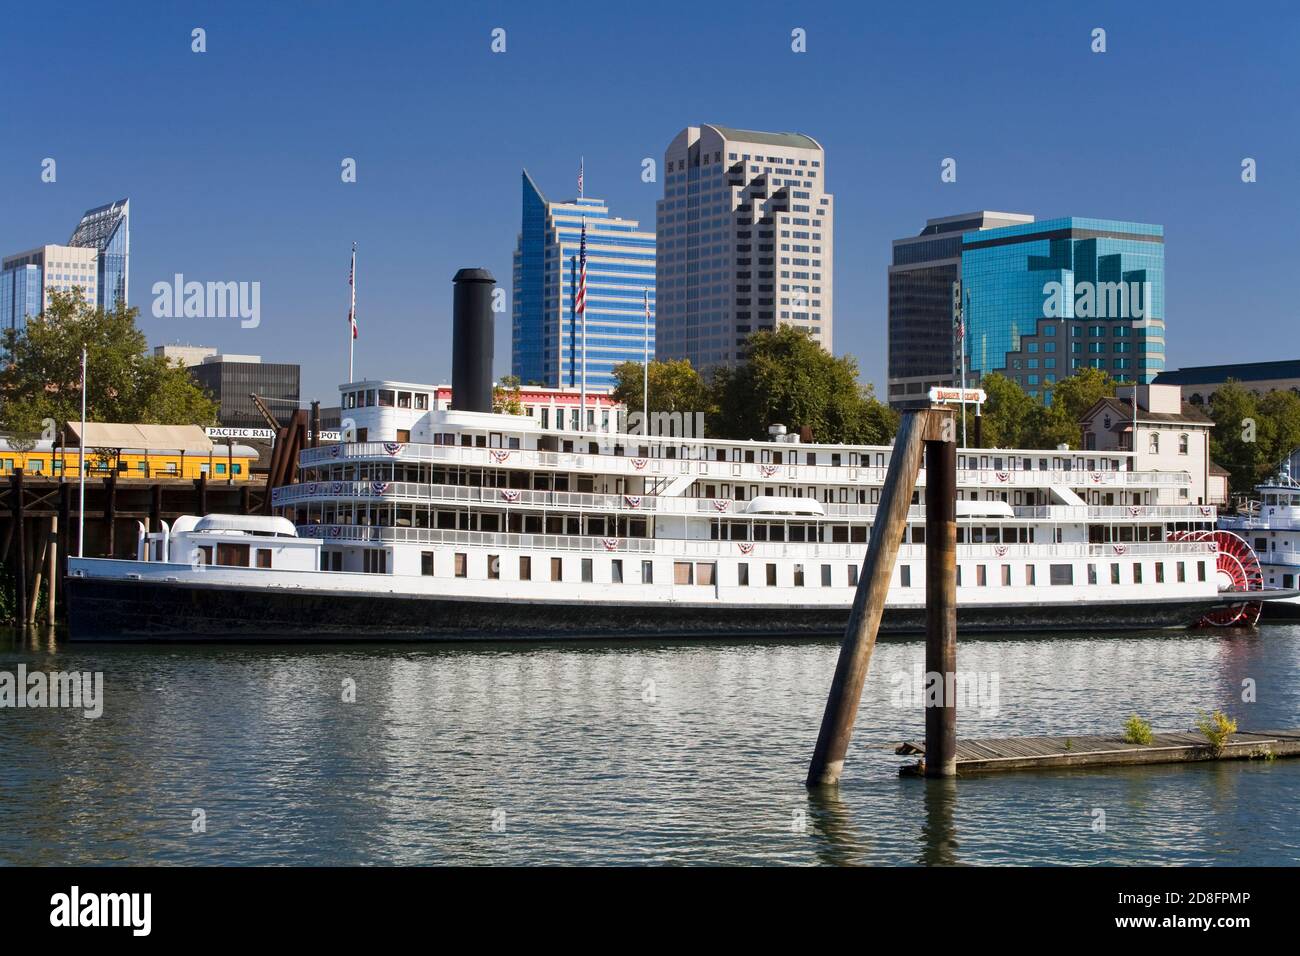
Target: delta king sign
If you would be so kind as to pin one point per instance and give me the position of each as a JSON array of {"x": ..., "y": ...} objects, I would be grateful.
[{"x": 957, "y": 396}]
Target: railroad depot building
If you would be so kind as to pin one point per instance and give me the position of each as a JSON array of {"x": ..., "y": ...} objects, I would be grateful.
[{"x": 1165, "y": 434}]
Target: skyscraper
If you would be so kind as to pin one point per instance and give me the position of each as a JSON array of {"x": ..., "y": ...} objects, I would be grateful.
[
  {"x": 1041, "y": 300},
  {"x": 547, "y": 332},
  {"x": 28, "y": 278},
  {"x": 924, "y": 267},
  {"x": 96, "y": 259},
  {"x": 1049, "y": 297},
  {"x": 107, "y": 230},
  {"x": 745, "y": 242}
]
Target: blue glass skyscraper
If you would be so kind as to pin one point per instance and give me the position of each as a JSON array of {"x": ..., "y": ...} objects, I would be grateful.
[
  {"x": 108, "y": 230},
  {"x": 546, "y": 334},
  {"x": 1046, "y": 298}
]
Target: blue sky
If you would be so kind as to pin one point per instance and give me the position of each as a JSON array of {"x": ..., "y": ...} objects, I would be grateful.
[{"x": 231, "y": 158}]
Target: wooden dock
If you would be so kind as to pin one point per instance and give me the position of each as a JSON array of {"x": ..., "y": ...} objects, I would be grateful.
[{"x": 997, "y": 754}]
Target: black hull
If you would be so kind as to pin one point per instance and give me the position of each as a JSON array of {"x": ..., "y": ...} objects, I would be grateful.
[{"x": 100, "y": 609}]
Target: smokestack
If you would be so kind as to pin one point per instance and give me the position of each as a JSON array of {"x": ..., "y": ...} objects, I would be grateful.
[{"x": 471, "y": 341}]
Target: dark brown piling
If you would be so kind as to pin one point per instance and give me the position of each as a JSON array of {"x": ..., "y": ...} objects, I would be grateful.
[
  {"x": 20, "y": 547},
  {"x": 941, "y": 604},
  {"x": 869, "y": 602}
]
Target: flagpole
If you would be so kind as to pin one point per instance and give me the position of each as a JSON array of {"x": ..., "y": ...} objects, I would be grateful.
[
  {"x": 81, "y": 464},
  {"x": 352, "y": 313},
  {"x": 582, "y": 279},
  {"x": 645, "y": 370}
]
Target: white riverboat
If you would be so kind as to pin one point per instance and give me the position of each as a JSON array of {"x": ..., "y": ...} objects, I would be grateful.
[
  {"x": 1271, "y": 526},
  {"x": 461, "y": 524}
]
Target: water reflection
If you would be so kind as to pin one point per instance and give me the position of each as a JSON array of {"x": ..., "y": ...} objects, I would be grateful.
[{"x": 625, "y": 753}]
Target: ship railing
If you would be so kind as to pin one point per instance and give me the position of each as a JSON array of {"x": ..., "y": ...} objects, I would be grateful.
[
  {"x": 749, "y": 472},
  {"x": 415, "y": 492},
  {"x": 1191, "y": 513},
  {"x": 383, "y": 535}
]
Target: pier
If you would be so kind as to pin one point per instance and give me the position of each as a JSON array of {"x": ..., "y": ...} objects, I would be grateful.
[{"x": 1000, "y": 754}]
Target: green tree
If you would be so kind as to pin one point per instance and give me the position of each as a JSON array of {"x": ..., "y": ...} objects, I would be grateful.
[
  {"x": 41, "y": 383},
  {"x": 506, "y": 397},
  {"x": 1234, "y": 442},
  {"x": 1008, "y": 413},
  {"x": 1058, "y": 423},
  {"x": 1279, "y": 430},
  {"x": 789, "y": 379},
  {"x": 674, "y": 387}
]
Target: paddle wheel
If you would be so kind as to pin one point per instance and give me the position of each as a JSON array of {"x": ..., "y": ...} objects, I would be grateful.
[{"x": 1237, "y": 569}]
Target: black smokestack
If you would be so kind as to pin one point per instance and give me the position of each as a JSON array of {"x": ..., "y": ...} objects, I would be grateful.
[{"x": 471, "y": 341}]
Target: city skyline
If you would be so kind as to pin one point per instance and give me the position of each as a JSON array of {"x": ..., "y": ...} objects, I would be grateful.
[{"x": 231, "y": 186}]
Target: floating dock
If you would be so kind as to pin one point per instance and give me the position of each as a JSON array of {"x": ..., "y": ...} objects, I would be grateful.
[{"x": 997, "y": 754}]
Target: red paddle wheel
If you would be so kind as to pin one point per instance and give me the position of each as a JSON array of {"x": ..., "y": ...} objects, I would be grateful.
[{"x": 1237, "y": 569}]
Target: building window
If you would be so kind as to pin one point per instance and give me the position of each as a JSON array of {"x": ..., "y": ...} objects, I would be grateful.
[{"x": 1182, "y": 444}]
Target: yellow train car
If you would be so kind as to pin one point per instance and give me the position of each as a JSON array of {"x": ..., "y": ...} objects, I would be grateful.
[{"x": 44, "y": 459}]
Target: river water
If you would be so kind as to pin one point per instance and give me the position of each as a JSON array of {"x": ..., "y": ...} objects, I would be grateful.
[{"x": 622, "y": 753}]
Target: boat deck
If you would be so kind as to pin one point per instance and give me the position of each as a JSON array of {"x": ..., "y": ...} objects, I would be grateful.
[{"x": 996, "y": 754}]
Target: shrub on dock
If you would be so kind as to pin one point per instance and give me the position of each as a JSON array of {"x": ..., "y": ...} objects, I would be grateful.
[
  {"x": 1217, "y": 727},
  {"x": 1137, "y": 731}
]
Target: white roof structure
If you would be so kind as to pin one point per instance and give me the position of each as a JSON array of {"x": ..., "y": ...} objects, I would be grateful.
[{"x": 184, "y": 438}]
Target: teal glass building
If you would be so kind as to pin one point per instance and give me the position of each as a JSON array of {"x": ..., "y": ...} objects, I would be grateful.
[
  {"x": 107, "y": 229},
  {"x": 1045, "y": 298},
  {"x": 546, "y": 334}
]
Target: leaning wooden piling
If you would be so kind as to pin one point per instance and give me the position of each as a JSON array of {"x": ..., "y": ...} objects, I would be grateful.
[{"x": 869, "y": 601}]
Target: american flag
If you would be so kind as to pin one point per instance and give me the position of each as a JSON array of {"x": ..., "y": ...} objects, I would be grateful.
[
  {"x": 352, "y": 312},
  {"x": 580, "y": 298}
]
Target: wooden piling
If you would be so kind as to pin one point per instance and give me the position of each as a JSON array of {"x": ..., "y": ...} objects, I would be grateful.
[
  {"x": 941, "y": 601},
  {"x": 20, "y": 548},
  {"x": 155, "y": 507},
  {"x": 40, "y": 550},
  {"x": 110, "y": 513},
  {"x": 52, "y": 572},
  {"x": 869, "y": 601}
]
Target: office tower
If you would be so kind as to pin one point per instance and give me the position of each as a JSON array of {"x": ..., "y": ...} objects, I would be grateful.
[
  {"x": 28, "y": 278},
  {"x": 231, "y": 379},
  {"x": 184, "y": 355},
  {"x": 745, "y": 242},
  {"x": 107, "y": 230},
  {"x": 547, "y": 332},
  {"x": 1049, "y": 297},
  {"x": 922, "y": 351}
]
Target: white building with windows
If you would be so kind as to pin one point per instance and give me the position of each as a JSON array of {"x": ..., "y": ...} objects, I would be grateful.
[
  {"x": 745, "y": 242},
  {"x": 1171, "y": 436}
]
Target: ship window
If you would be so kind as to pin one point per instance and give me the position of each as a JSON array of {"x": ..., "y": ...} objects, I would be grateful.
[
  {"x": 263, "y": 557},
  {"x": 959, "y": 575},
  {"x": 798, "y": 575},
  {"x": 1181, "y": 572},
  {"x": 1006, "y": 575},
  {"x": 387, "y": 398},
  {"x": 1114, "y": 574},
  {"x": 853, "y": 575},
  {"x": 1137, "y": 573},
  {"x": 234, "y": 555},
  {"x": 1030, "y": 577},
  {"x": 586, "y": 570},
  {"x": 826, "y": 575},
  {"x": 1160, "y": 572},
  {"x": 647, "y": 572},
  {"x": 905, "y": 576},
  {"x": 705, "y": 572},
  {"x": 771, "y": 575},
  {"x": 742, "y": 575},
  {"x": 494, "y": 567},
  {"x": 1092, "y": 574},
  {"x": 426, "y": 562},
  {"x": 421, "y": 401},
  {"x": 403, "y": 399},
  {"x": 1200, "y": 570},
  {"x": 682, "y": 572},
  {"x": 525, "y": 568},
  {"x": 404, "y": 434},
  {"x": 1062, "y": 574},
  {"x": 462, "y": 564}
]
